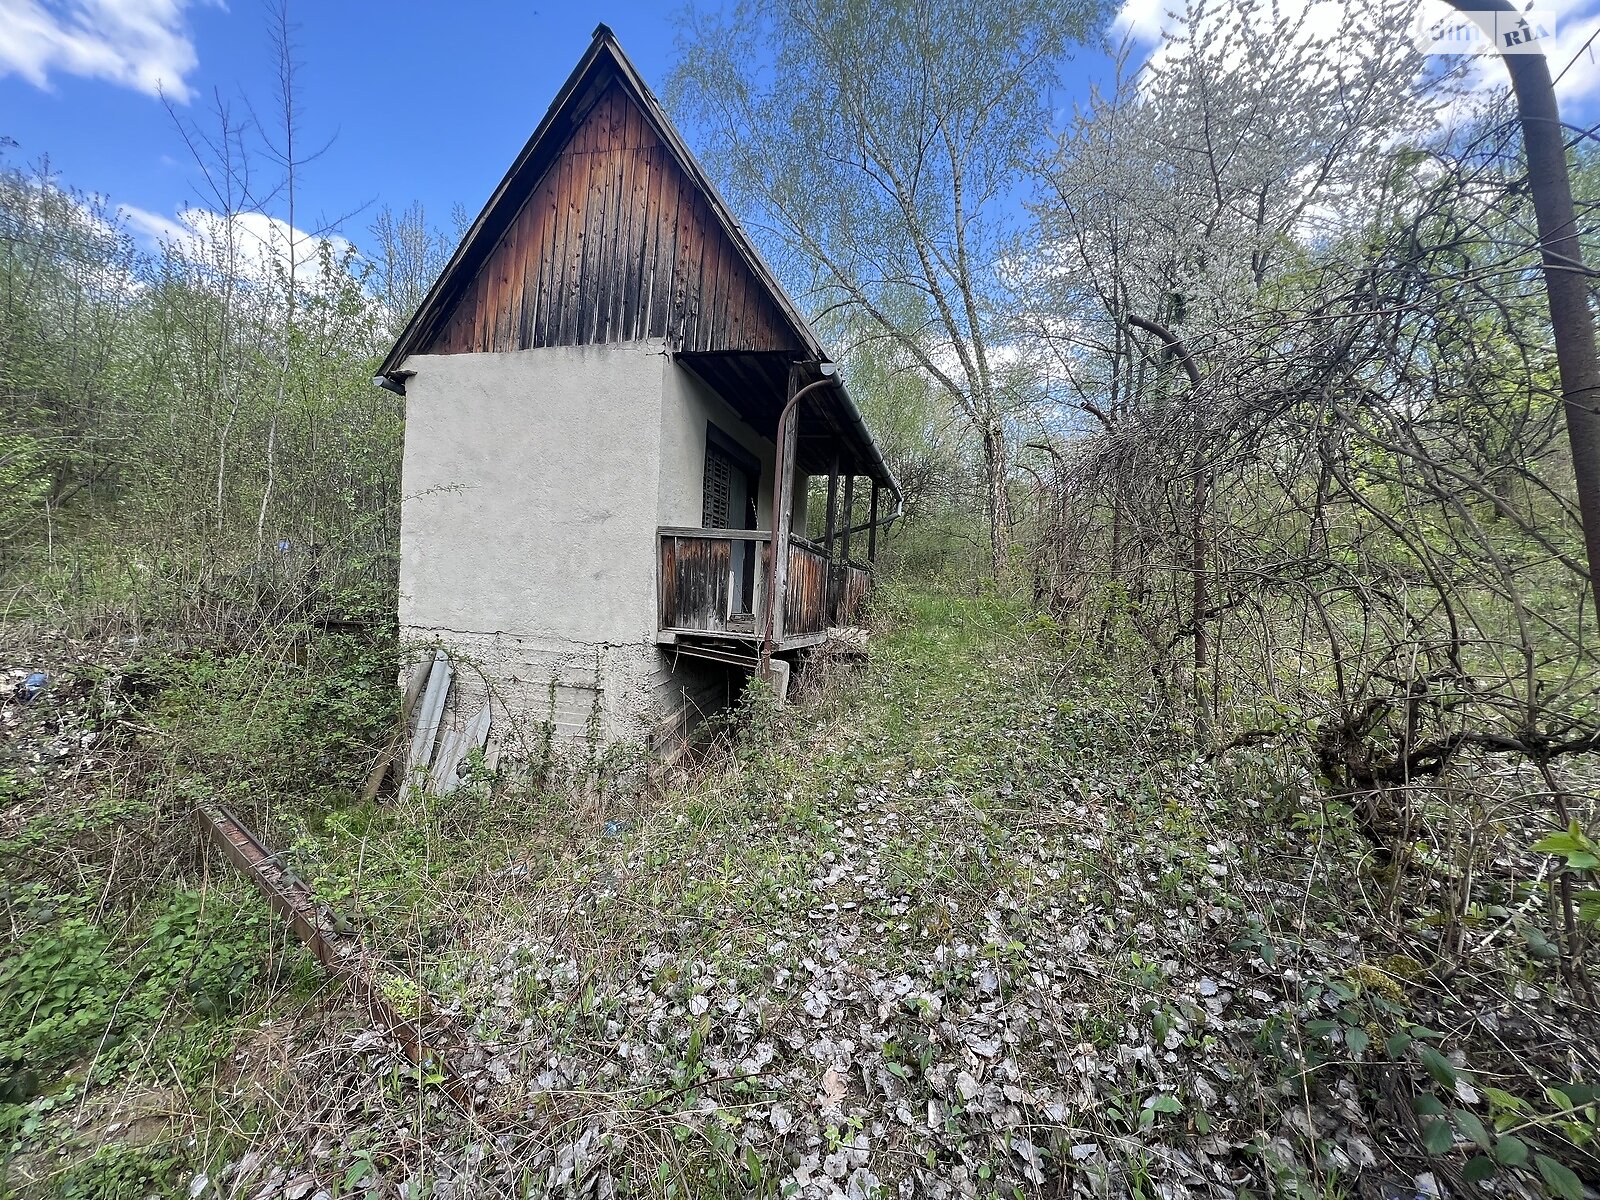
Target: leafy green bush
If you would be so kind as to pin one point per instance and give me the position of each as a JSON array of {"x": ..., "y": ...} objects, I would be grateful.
[
  {"x": 75, "y": 989},
  {"x": 56, "y": 996},
  {"x": 118, "y": 1170},
  {"x": 297, "y": 728}
]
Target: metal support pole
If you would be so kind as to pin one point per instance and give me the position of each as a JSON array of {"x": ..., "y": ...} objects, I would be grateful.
[
  {"x": 1566, "y": 279},
  {"x": 783, "y": 507},
  {"x": 872, "y": 526}
]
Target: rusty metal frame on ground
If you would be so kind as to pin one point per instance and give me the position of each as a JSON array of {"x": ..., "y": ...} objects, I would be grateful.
[{"x": 342, "y": 956}]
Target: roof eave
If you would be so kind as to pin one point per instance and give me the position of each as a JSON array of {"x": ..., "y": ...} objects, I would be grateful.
[
  {"x": 868, "y": 440},
  {"x": 405, "y": 344}
]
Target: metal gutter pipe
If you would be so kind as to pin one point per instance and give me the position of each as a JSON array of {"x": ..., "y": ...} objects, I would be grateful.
[{"x": 782, "y": 469}]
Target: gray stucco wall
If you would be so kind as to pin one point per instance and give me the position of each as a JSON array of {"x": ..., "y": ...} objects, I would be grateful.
[
  {"x": 534, "y": 483},
  {"x": 523, "y": 509},
  {"x": 527, "y": 530}
]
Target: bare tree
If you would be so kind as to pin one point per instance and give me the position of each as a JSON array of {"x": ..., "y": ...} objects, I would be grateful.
[
  {"x": 409, "y": 254},
  {"x": 1331, "y": 444},
  {"x": 1175, "y": 200}
]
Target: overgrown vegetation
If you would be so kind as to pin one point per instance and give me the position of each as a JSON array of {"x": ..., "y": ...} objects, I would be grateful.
[
  {"x": 134, "y": 959},
  {"x": 1215, "y": 814},
  {"x": 968, "y": 916}
]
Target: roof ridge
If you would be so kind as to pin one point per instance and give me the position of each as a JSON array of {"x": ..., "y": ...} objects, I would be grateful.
[{"x": 604, "y": 52}]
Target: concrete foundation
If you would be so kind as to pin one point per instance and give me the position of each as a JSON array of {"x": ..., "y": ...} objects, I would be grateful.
[{"x": 777, "y": 675}]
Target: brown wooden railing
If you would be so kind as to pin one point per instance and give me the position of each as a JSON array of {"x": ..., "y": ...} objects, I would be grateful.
[
  {"x": 852, "y": 582},
  {"x": 714, "y": 581},
  {"x": 805, "y": 601}
]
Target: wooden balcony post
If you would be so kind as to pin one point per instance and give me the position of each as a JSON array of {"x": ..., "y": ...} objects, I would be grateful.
[
  {"x": 830, "y": 588},
  {"x": 849, "y": 514},
  {"x": 833, "y": 505},
  {"x": 872, "y": 526}
]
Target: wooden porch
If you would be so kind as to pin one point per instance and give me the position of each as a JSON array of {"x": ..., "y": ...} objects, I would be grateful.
[
  {"x": 713, "y": 586},
  {"x": 723, "y": 591}
]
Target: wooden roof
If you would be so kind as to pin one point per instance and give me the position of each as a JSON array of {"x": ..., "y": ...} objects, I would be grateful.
[{"x": 606, "y": 229}]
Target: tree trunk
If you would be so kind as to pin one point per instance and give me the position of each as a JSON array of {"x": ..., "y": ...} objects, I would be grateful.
[
  {"x": 998, "y": 500},
  {"x": 1199, "y": 529},
  {"x": 1202, "y": 646},
  {"x": 1565, "y": 277}
]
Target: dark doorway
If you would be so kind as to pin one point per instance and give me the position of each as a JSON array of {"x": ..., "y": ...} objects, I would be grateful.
[{"x": 732, "y": 488}]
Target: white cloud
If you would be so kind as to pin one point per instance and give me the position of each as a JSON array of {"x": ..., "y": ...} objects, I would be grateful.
[
  {"x": 257, "y": 245},
  {"x": 153, "y": 227},
  {"x": 1569, "y": 53},
  {"x": 1143, "y": 20},
  {"x": 138, "y": 44},
  {"x": 1573, "y": 58}
]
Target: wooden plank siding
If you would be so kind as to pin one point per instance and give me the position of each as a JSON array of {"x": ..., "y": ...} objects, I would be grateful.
[
  {"x": 805, "y": 593},
  {"x": 615, "y": 243},
  {"x": 694, "y": 582}
]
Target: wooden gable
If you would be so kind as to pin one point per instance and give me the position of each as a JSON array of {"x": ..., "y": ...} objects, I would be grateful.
[
  {"x": 615, "y": 243},
  {"x": 606, "y": 229}
]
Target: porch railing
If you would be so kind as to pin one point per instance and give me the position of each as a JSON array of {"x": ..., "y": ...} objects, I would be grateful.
[
  {"x": 805, "y": 601},
  {"x": 715, "y": 581},
  {"x": 852, "y": 580}
]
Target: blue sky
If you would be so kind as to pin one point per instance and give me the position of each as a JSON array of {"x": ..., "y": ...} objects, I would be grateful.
[{"x": 424, "y": 101}]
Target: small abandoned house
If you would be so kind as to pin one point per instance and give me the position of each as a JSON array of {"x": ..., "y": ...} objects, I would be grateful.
[{"x": 613, "y": 411}]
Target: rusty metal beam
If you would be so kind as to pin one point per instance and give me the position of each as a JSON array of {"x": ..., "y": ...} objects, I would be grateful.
[{"x": 342, "y": 957}]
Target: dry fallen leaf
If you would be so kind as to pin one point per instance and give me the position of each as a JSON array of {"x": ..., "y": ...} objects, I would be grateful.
[{"x": 834, "y": 1089}]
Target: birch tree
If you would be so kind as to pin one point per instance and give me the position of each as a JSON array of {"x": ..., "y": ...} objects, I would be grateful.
[{"x": 880, "y": 148}]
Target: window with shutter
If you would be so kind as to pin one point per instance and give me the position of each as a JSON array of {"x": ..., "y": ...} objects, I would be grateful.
[
  {"x": 729, "y": 501},
  {"x": 714, "y": 510}
]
